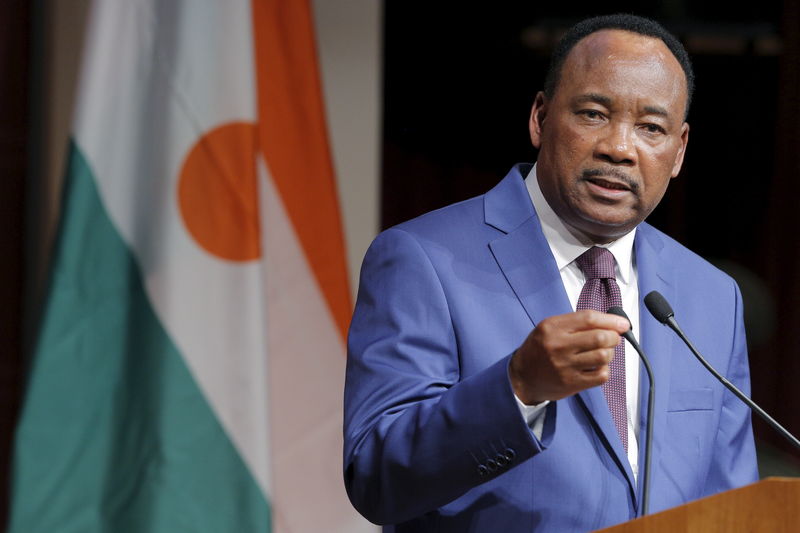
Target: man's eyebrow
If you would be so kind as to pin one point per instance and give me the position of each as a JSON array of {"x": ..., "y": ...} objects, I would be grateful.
[
  {"x": 594, "y": 97},
  {"x": 606, "y": 101},
  {"x": 656, "y": 110}
]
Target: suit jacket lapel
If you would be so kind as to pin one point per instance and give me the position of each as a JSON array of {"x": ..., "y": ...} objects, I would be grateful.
[
  {"x": 656, "y": 273},
  {"x": 528, "y": 265},
  {"x": 522, "y": 253}
]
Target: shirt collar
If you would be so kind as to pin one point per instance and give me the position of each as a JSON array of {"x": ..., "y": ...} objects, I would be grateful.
[{"x": 567, "y": 244}]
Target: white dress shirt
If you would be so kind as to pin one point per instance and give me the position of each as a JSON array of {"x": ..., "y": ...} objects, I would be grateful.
[{"x": 567, "y": 244}]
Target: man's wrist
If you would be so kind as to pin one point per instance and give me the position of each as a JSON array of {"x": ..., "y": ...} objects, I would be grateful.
[{"x": 519, "y": 384}]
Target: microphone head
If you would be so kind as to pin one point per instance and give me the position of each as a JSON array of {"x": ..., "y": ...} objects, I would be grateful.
[
  {"x": 658, "y": 307},
  {"x": 615, "y": 310},
  {"x": 619, "y": 312}
]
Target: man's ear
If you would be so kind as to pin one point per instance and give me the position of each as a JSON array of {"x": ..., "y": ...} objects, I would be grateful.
[
  {"x": 538, "y": 115},
  {"x": 676, "y": 168}
]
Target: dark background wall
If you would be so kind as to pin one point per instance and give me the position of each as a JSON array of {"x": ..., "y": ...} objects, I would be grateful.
[
  {"x": 459, "y": 83},
  {"x": 14, "y": 134}
]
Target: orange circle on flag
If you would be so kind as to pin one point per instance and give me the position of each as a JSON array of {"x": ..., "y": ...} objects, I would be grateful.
[{"x": 218, "y": 192}]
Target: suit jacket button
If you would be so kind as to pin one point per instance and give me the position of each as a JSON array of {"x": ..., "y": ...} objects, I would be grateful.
[
  {"x": 510, "y": 454},
  {"x": 482, "y": 470},
  {"x": 501, "y": 460},
  {"x": 492, "y": 465}
]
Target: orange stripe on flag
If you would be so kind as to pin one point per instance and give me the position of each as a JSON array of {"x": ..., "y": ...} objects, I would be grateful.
[{"x": 293, "y": 138}]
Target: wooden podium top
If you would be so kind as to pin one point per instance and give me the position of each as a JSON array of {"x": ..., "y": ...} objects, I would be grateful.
[{"x": 771, "y": 505}]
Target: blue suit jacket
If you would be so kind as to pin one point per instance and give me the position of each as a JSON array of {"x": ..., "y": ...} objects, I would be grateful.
[{"x": 434, "y": 440}]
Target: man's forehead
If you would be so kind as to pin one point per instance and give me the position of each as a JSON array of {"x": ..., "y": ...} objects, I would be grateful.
[
  {"x": 608, "y": 55},
  {"x": 612, "y": 44}
]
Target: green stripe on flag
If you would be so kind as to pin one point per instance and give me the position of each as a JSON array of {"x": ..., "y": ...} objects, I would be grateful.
[{"x": 115, "y": 435}]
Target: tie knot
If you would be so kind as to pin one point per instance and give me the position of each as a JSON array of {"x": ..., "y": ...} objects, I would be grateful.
[{"x": 597, "y": 263}]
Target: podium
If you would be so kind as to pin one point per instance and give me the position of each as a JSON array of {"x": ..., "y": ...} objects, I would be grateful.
[{"x": 771, "y": 505}]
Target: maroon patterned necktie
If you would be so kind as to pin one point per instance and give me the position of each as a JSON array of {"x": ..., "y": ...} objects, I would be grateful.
[{"x": 601, "y": 292}]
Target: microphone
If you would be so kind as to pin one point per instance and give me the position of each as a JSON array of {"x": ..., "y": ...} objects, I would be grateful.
[
  {"x": 650, "y": 402},
  {"x": 662, "y": 311}
]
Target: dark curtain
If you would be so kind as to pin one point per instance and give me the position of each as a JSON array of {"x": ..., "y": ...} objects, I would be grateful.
[
  {"x": 777, "y": 366},
  {"x": 15, "y": 33}
]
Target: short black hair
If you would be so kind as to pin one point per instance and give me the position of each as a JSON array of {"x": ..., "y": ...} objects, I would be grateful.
[{"x": 619, "y": 21}]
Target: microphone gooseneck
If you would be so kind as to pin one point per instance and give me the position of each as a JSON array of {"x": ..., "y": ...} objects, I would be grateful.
[
  {"x": 661, "y": 311},
  {"x": 650, "y": 402}
]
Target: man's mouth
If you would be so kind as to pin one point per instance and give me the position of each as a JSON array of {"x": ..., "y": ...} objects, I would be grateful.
[
  {"x": 609, "y": 184},
  {"x": 611, "y": 179}
]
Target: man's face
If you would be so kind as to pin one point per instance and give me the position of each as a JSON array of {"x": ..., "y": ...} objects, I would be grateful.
[{"x": 612, "y": 135}]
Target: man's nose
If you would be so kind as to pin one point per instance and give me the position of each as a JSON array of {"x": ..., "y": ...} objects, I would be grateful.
[{"x": 616, "y": 145}]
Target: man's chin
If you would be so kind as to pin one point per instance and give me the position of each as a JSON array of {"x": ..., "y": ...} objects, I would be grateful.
[{"x": 603, "y": 229}]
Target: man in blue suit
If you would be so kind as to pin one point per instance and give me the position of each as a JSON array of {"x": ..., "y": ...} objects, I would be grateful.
[{"x": 474, "y": 397}]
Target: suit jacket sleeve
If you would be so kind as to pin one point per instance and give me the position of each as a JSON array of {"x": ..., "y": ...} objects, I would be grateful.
[{"x": 418, "y": 435}]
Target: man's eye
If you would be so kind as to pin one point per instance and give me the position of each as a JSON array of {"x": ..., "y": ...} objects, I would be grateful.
[
  {"x": 591, "y": 114},
  {"x": 653, "y": 128}
]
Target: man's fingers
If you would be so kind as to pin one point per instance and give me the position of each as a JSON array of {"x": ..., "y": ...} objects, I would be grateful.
[
  {"x": 587, "y": 319},
  {"x": 592, "y": 360},
  {"x": 592, "y": 368},
  {"x": 565, "y": 354},
  {"x": 592, "y": 378},
  {"x": 584, "y": 341}
]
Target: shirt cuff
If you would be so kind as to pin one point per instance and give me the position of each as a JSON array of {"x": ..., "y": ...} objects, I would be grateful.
[{"x": 533, "y": 415}]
